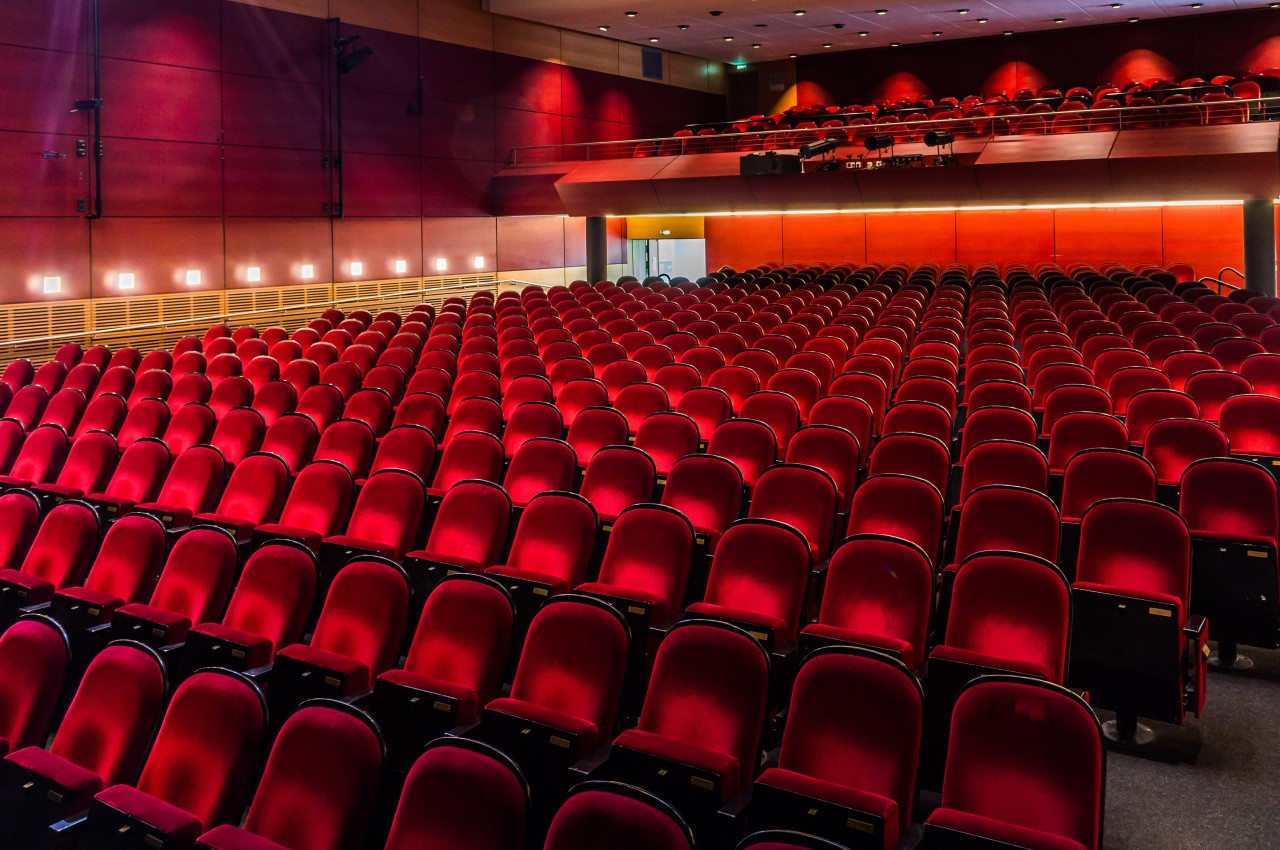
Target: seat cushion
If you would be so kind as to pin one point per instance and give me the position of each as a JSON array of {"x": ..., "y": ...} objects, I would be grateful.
[
  {"x": 534, "y": 713},
  {"x": 227, "y": 837},
  {"x": 465, "y": 564},
  {"x": 242, "y": 528},
  {"x": 722, "y": 764},
  {"x": 720, "y": 612},
  {"x": 355, "y": 673},
  {"x": 310, "y": 539},
  {"x": 834, "y": 633},
  {"x": 554, "y": 583},
  {"x": 176, "y": 624},
  {"x": 659, "y": 607},
  {"x": 1019, "y": 836},
  {"x": 345, "y": 541},
  {"x": 92, "y": 598},
  {"x": 465, "y": 698},
  {"x": 34, "y": 585},
  {"x": 80, "y": 784},
  {"x": 841, "y": 795},
  {"x": 980, "y": 659},
  {"x": 150, "y": 810},
  {"x": 258, "y": 650}
]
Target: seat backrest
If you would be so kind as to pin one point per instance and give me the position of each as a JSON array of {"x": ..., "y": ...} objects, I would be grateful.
[
  {"x": 256, "y": 491},
  {"x": 1013, "y": 732},
  {"x": 574, "y": 661},
  {"x": 1173, "y": 444},
  {"x": 1095, "y": 474},
  {"x": 90, "y": 463},
  {"x": 389, "y": 510},
  {"x": 471, "y": 524},
  {"x": 320, "y": 499},
  {"x": 293, "y": 439},
  {"x": 195, "y": 480},
  {"x": 1011, "y": 607},
  {"x": 898, "y": 506},
  {"x": 800, "y": 496},
  {"x": 130, "y": 558},
  {"x": 471, "y": 454},
  {"x": 1150, "y": 406},
  {"x": 917, "y": 455},
  {"x": 364, "y": 614},
  {"x": 274, "y": 594},
  {"x": 1135, "y": 546},
  {"x": 883, "y": 586},
  {"x": 216, "y": 720},
  {"x": 1009, "y": 519},
  {"x": 115, "y": 710},
  {"x": 34, "y": 655},
  {"x": 708, "y": 688},
  {"x": 349, "y": 442},
  {"x": 706, "y": 489},
  {"x": 555, "y": 536},
  {"x": 611, "y": 814},
  {"x": 64, "y": 546},
  {"x": 1249, "y": 423},
  {"x": 1076, "y": 432},
  {"x": 762, "y": 566},
  {"x": 618, "y": 477},
  {"x": 1228, "y": 497},
  {"x": 317, "y": 790},
  {"x": 854, "y": 721},
  {"x": 464, "y": 635},
  {"x": 461, "y": 795},
  {"x": 198, "y": 575},
  {"x": 650, "y": 549}
]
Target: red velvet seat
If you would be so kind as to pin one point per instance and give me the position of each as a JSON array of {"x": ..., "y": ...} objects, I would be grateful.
[
  {"x": 617, "y": 815},
  {"x": 34, "y": 656}
]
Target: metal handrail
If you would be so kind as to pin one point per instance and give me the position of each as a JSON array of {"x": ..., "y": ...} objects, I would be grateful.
[
  {"x": 1231, "y": 269},
  {"x": 227, "y": 317},
  {"x": 1255, "y": 109}
]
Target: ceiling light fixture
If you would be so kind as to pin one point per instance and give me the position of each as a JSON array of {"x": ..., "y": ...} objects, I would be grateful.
[
  {"x": 863, "y": 33},
  {"x": 983, "y": 20},
  {"x": 728, "y": 38},
  {"x": 602, "y": 28},
  {"x": 755, "y": 47},
  {"x": 937, "y": 33},
  {"x": 799, "y": 13},
  {"x": 962, "y": 11},
  {"x": 882, "y": 11},
  {"x": 631, "y": 14},
  {"x": 654, "y": 39},
  {"x": 682, "y": 26},
  {"x": 895, "y": 44},
  {"x": 828, "y": 44},
  {"x": 1059, "y": 20},
  {"x": 1133, "y": 20}
]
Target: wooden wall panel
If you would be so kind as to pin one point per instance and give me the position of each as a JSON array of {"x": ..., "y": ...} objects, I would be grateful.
[
  {"x": 589, "y": 52},
  {"x": 30, "y": 184},
  {"x": 31, "y": 248},
  {"x": 1209, "y": 238},
  {"x": 1119, "y": 235},
  {"x": 459, "y": 241},
  {"x": 159, "y": 31},
  {"x": 377, "y": 243},
  {"x": 530, "y": 242},
  {"x": 158, "y": 251},
  {"x": 148, "y": 178},
  {"x": 39, "y": 89},
  {"x": 399, "y": 16},
  {"x": 531, "y": 40},
  {"x": 911, "y": 237},
  {"x": 824, "y": 238}
]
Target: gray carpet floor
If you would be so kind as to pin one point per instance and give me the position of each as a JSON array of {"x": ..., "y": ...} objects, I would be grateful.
[{"x": 1211, "y": 783}]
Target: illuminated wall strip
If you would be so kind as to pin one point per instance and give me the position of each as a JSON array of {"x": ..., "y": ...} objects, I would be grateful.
[{"x": 975, "y": 208}]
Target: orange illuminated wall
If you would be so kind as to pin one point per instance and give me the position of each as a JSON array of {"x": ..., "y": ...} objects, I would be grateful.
[{"x": 1208, "y": 238}]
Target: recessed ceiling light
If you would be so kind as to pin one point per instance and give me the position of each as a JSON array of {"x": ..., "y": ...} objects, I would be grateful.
[
  {"x": 728, "y": 38},
  {"x": 1133, "y": 20},
  {"x": 654, "y": 39},
  {"x": 828, "y": 44},
  {"x": 793, "y": 55},
  {"x": 755, "y": 47},
  {"x": 962, "y": 11},
  {"x": 896, "y": 44},
  {"x": 882, "y": 11},
  {"x": 682, "y": 27},
  {"x": 602, "y": 28},
  {"x": 1059, "y": 20},
  {"x": 937, "y": 33},
  {"x": 983, "y": 20},
  {"x": 631, "y": 14},
  {"x": 762, "y": 26},
  {"x": 1116, "y": 5},
  {"x": 1008, "y": 32},
  {"x": 799, "y": 12},
  {"x": 863, "y": 33},
  {"x": 1195, "y": 5}
]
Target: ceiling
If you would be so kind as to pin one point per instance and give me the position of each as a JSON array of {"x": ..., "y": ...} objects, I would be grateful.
[{"x": 775, "y": 26}]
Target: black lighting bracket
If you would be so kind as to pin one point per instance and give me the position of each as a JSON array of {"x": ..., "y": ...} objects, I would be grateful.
[{"x": 93, "y": 106}]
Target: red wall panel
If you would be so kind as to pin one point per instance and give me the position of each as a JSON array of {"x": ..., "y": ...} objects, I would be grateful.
[
  {"x": 39, "y": 89},
  {"x": 531, "y": 242},
  {"x": 743, "y": 241},
  {"x": 589, "y": 94},
  {"x": 272, "y": 113},
  {"x": 1209, "y": 238},
  {"x": 161, "y": 102},
  {"x": 382, "y": 185},
  {"x": 519, "y": 129},
  {"x": 1118, "y": 235},
  {"x": 521, "y": 83},
  {"x": 1005, "y": 236},
  {"x": 276, "y": 45},
  {"x": 377, "y": 243},
  {"x": 49, "y": 26},
  {"x": 575, "y": 241},
  {"x": 379, "y": 122},
  {"x": 911, "y": 237},
  {"x": 279, "y": 248},
  {"x": 35, "y": 186},
  {"x": 33, "y": 248},
  {"x": 159, "y": 251},
  {"x": 270, "y": 182},
  {"x": 459, "y": 241},
  {"x": 458, "y": 130},
  {"x": 147, "y": 178},
  {"x": 452, "y": 187},
  {"x": 164, "y": 32},
  {"x": 824, "y": 238},
  {"x": 392, "y": 68},
  {"x": 457, "y": 73}
]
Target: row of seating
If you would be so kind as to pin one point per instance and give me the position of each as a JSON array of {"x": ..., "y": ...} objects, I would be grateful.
[{"x": 653, "y": 547}]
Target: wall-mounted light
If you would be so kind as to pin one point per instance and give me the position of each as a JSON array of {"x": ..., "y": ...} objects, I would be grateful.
[
  {"x": 442, "y": 265},
  {"x": 126, "y": 280},
  {"x": 402, "y": 266},
  {"x": 478, "y": 262},
  {"x": 193, "y": 277},
  {"x": 253, "y": 274},
  {"x": 357, "y": 268},
  {"x": 307, "y": 271},
  {"x": 52, "y": 285}
]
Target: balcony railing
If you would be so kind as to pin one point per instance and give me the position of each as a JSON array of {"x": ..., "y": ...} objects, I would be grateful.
[{"x": 853, "y": 135}]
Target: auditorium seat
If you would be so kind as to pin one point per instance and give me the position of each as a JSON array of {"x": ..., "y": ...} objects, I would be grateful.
[
  {"x": 34, "y": 658},
  {"x": 126, "y": 568},
  {"x": 59, "y": 557},
  {"x": 616, "y": 814}
]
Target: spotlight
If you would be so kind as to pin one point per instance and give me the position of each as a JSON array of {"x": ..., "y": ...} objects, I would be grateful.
[
  {"x": 895, "y": 44},
  {"x": 818, "y": 148},
  {"x": 937, "y": 33},
  {"x": 1133, "y": 20},
  {"x": 962, "y": 11},
  {"x": 879, "y": 141},
  {"x": 755, "y": 47},
  {"x": 799, "y": 13},
  {"x": 938, "y": 138},
  {"x": 863, "y": 33},
  {"x": 828, "y": 44},
  {"x": 728, "y": 38},
  {"x": 1059, "y": 20}
]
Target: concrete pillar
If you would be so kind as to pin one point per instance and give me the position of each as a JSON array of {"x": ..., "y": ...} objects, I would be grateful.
[
  {"x": 598, "y": 250},
  {"x": 1260, "y": 246}
]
